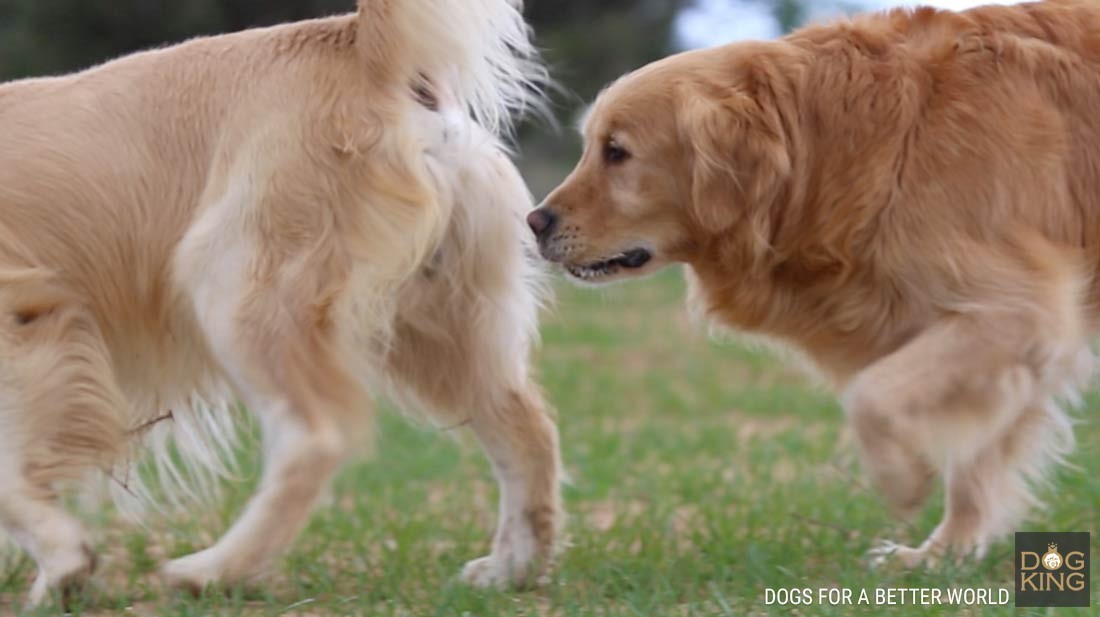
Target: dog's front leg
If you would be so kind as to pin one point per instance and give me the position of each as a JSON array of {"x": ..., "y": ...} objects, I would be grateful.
[
  {"x": 286, "y": 363},
  {"x": 955, "y": 399},
  {"x": 299, "y": 460}
]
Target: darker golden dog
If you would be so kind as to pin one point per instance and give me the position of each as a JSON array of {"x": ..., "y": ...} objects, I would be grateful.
[{"x": 911, "y": 198}]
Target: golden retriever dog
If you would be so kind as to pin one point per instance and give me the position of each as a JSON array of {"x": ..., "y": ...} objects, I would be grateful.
[
  {"x": 910, "y": 198},
  {"x": 293, "y": 218}
]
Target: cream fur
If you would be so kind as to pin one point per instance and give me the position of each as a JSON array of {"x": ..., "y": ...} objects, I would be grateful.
[{"x": 272, "y": 218}]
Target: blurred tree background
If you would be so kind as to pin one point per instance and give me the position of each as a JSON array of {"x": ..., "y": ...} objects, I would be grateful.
[{"x": 587, "y": 43}]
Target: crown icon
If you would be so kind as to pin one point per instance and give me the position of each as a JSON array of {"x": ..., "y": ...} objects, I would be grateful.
[{"x": 1052, "y": 546}]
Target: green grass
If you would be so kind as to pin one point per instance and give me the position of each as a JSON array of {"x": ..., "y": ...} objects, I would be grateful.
[{"x": 702, "y": 474}]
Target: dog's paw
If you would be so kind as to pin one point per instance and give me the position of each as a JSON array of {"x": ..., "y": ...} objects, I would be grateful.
[
  {"x": 492, "y": 572},
  {"x": 886, "y": 554},
  {"x": 486, "y": 573},
  {"x": 63, "y": 573},
  {"x": 192, "y": 573}
]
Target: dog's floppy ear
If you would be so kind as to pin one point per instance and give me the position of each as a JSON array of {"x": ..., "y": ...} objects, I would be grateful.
[{"x": 740, "y": 159}]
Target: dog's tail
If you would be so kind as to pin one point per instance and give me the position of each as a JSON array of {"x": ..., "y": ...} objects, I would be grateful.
[{"x": 477, "y": 54}]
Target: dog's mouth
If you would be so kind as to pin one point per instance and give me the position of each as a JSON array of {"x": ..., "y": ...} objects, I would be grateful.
[{"x": 635, "y": 259}]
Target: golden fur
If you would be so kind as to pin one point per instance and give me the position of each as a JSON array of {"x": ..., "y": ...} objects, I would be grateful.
[
  {"x": 271, "y": 217},
  {"x": 911, "y": 198}
]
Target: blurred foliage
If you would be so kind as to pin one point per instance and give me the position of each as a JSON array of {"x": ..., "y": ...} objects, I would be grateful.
[
  {"x": 789, "y": 13},
  {"x": 587, "y": 45},
  {"x": 54, "y": 36},
  {"x": 589, "y": 42}
]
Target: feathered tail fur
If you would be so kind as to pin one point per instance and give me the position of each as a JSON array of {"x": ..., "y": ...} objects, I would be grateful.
[{"x": 478, "y": 53}]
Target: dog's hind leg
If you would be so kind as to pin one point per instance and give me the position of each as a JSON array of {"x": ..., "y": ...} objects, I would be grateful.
[
  {"x": 462, "y": 345},
  {"x": 521, "y": 441},
  {"x": 456, "y": 379},
  {"x": 61, "y": 416},
  {"x": 464, "y": 355}
]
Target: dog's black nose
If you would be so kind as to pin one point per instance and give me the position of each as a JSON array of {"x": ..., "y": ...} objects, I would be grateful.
[{"x": 541, "y": 221}]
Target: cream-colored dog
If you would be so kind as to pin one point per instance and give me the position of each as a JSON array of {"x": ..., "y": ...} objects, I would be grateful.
[{"x": 287, "y": 217}]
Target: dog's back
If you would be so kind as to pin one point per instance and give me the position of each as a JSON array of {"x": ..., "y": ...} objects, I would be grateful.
[
  {"x": 983, "y": 121},
  {"x": 105, "y": 168}
]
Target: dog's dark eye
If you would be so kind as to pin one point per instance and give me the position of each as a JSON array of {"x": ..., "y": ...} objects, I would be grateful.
[{"x": 614, "y": 153}]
